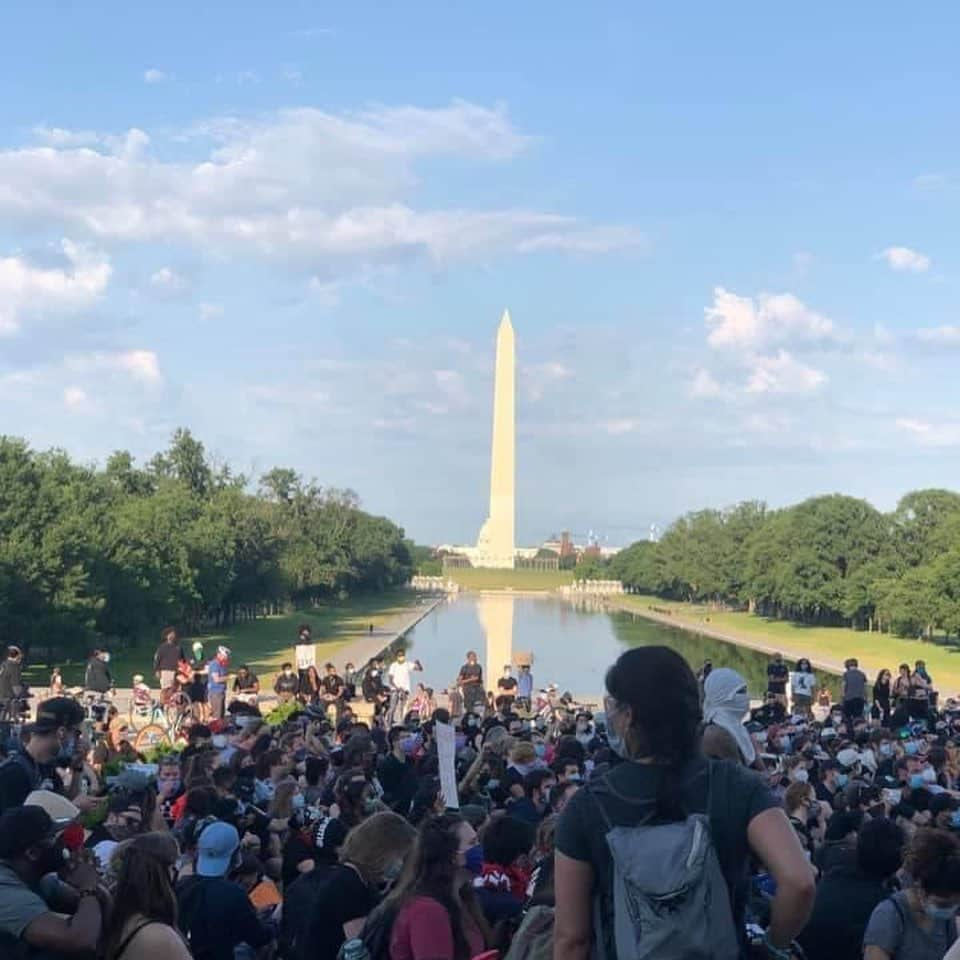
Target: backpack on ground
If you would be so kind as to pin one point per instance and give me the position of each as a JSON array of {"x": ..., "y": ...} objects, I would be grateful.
[{"x": 670, "y": 899}]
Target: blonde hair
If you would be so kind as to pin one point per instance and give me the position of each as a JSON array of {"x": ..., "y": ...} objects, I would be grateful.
[
  {"x": 523, "y": 752},
  {"x": 377, "y": 843}
]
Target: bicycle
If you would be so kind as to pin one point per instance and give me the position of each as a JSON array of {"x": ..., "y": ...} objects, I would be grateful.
[{"x": 160, "y": 724}]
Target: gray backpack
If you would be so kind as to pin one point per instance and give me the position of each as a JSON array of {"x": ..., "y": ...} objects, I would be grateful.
[{"x": 670, "y": 898}]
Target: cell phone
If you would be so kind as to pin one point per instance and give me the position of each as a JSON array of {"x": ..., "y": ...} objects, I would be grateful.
[{"x": 891, "y": 796}]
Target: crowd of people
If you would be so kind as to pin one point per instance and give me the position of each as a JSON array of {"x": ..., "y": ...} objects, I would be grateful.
[{"x": 675, "y": 822}]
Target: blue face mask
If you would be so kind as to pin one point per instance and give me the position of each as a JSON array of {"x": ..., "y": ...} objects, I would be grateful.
[
  {"x": 540, "y": 749},
  {"x": 910, "y": 748},
  {"x": 473, "y": 859},
  {"x": 916, "y": 781},
  {"x": 299, "y": 800},
  {"x": 940, "y": 913},
  {"x": 842, "y": 780},
  {"x": 886, "y": 750},
  {"x": 955, "y": 819}
]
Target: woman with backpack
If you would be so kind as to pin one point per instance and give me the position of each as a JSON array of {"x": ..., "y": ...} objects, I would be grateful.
[
  {"x": 920, "y": 923},
  {"x": 143, "y": 924},
  {"x": 667, "y": 821}
]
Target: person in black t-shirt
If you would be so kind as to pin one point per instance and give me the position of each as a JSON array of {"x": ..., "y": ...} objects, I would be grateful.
[
  {"x": 331, "y": 689},
  {"x": 777, "y": 676},
  {"x": 287, "y": 684},
  {"x": 470, "y": 682},
  {"x": 653, "y": 721},
  {"x": 507, "y": 689},
  {"x": 325, "y": 906},
  {"x": 397, "y": 772}
]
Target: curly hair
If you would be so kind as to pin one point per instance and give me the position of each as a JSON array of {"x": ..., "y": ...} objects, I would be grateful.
[{"x": 933, "y": 860}]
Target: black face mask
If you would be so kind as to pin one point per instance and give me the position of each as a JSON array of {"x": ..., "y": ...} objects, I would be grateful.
[{"x": 67, "y": 750}]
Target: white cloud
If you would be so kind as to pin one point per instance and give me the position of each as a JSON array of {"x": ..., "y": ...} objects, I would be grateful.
[
  {"x": 153, "y": 75},
  {"x": 451, "y": 384},
  {"x": 905, "y": 260},
  {"x": 536, "y": 379},
  {"x": 142, "y": 366},
  {"x": 622, "y": 425},
  {"x": 27, "y": 290},
  {"x": 739, "y": 322},
  {"x": 76, "y": 398},
  {"x": 211, "y": 311},
  {"x": 705, "y": 386},
  {"x": 166, "y": 280},
  {"x": 929, "y": 434},
  {"x": 930, "y": 181},
  {"x": 781, "y": 373},
  {"x": 327, "y": 193},
  {"x": 943, "y": 336}
]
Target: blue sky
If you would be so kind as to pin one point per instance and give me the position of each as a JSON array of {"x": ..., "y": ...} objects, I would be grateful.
[{"x": 726, "y": 234}]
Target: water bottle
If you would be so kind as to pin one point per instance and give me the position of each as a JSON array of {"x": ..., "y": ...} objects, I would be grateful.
[{"x": 354, "y": 949}]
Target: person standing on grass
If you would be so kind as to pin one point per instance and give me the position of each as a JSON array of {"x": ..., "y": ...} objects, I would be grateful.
[
  {"x": 777, "y": 677},
  {"x": 854, "y": 691},
  {"x": 218, "y": 672},
  {"x": 167, "y": 659}
]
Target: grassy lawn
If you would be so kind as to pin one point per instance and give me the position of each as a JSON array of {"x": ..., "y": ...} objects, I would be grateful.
[
  {"x": 472, "y": 578},
  {"x": 263, "y": 644},
  {"x": 829, "y": 645}
]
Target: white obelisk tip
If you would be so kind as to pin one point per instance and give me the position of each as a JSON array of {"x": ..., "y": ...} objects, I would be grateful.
[{"x": 505, "y": 319}]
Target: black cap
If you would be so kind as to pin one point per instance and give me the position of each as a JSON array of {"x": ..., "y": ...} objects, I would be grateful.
[
  {"x": 57, "y": 712},
  {"x": 21, "y": 828}
]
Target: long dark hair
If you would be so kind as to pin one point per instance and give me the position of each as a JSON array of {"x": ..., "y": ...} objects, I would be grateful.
[
  {"x": 143, "y": 886},
  {"x": 659, "y": 687},
  {"x": 431, "y": 872}
]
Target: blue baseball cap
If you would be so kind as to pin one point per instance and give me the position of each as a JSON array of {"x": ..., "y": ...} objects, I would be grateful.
[{"x": 216, "y": 847}]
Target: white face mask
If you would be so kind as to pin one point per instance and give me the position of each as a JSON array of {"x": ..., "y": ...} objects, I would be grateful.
[{"x": 801, "y": 775}]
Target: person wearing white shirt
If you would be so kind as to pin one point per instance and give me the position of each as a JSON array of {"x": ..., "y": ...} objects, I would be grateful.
[{"x": 399, "y": 677}]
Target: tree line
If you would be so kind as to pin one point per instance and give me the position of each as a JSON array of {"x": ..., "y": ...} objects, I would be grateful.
[
  {"x": 120, "y": 550},
  {"x": 830, "y": 560}
]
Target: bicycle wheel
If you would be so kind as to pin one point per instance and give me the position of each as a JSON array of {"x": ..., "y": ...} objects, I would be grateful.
[{"x": 150, "y": 737}]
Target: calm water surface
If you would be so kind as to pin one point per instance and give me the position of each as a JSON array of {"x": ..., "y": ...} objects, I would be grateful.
[{"x": 571, "y": 646}]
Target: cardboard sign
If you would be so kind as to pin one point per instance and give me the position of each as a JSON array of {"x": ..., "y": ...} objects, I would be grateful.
[
  {"x": 447, "y": 755},
  {"x": 306, "y": 654}
]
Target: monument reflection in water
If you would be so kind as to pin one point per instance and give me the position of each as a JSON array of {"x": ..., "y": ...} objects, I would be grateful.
[{"x": 572, "y": 646}]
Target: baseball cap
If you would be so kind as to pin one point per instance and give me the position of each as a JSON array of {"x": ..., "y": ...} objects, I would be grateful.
[
  {"x": 60, "y": 810},
  {"x": 22, "y": 828},
  {"x": 57, "y": 712},
  {"x": 328, "y": 837},
  {"x": 216, "y": 848}
]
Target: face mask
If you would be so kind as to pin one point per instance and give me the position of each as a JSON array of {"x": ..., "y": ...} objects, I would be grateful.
[
  {"x": 473, "y": 859},
  {"x": 167, "y": 788},
  {"x": 955, "y": 819},
  {"x": 929, "y": 775},
  {"x": 370, "y": 807},
  {"x": 299, "y": 801},
  {"x": 785, "y": 744},
  {"x": 122, "y": 831},
  {"x": 576, "y": 778},
  {"x": 940, "y": 913},
  {"x": 392, "y": 872},
  {"x": 493, "y": 784},
  {"x": 916, "y": 781},
  {"x": 886, "y": 750},
  {"x": 67, "y": 749},
  {"x": 910, "y": 748},
  {"x": 105, "y": 657},
  {"x": 540, "y": 749},
  {"x": 842, "y": 780},
  {"x": 801, "y": 775}
]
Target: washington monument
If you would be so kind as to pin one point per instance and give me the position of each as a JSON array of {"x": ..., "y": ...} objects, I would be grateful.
[{"x": 495, "y": 544}]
